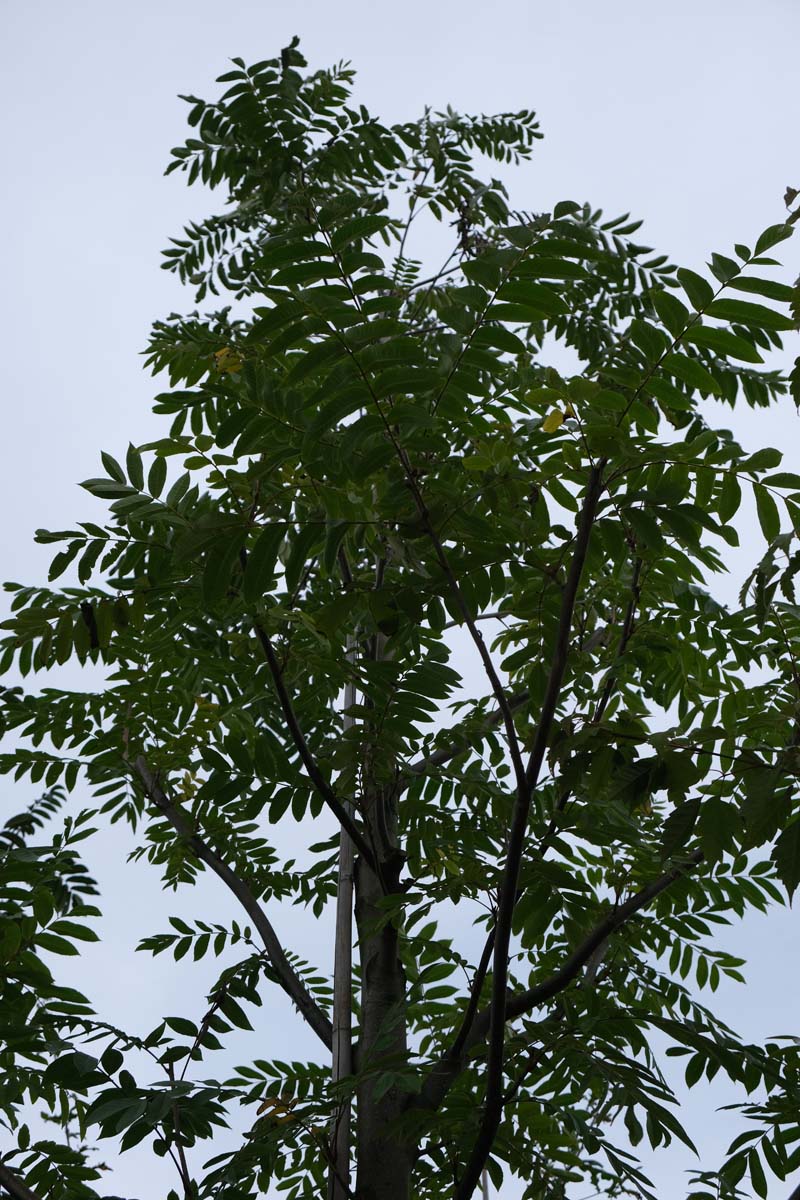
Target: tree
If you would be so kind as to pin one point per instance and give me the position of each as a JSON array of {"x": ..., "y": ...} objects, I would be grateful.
[{"x": 375, "y": 458}]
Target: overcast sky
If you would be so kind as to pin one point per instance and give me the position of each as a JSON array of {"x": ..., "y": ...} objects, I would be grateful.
[{"x": 684, "y": 113}]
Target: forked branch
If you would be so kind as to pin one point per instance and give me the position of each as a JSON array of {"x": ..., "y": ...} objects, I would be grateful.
[{"x": 447, "y": 1069}]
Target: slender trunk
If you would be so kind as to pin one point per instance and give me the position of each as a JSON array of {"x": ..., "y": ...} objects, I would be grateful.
[
  {"x": 384, "y": 1160},
  {"x": 339, "y": 1173}
]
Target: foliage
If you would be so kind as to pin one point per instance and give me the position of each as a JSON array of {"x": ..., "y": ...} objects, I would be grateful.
[{"x": 365, "y": 455}]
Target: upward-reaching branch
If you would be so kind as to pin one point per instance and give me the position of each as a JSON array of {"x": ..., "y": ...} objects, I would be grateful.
[
  {"x": 319, "y": 781},
  {"x": 493, "y": 1105},
  {"x": 288, "y": 978}
]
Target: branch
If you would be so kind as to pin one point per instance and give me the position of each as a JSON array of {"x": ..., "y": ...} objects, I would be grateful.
[
  {"x": 446, "y": 1070},
  {"x": 312, "y": 770},
  {"x": 443, "y": 755},
  {"x": 627, "y": 630},
  {"x": 287, "y": 977},
  {"x": 493, "y": 1108},
  {"x": 14, "y": 1186},
  {"x": 523, "y": 1002}
]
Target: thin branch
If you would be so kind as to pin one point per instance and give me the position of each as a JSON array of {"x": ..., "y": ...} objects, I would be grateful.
[
  {"x": 489, "y": 616},
  {"x": 447, "y": 1069},
  {"x": 182, "y": 1165},
  {"x": 286, "y": 975},
  {"x": 312, "y": 770},
  {"x": 627, "y": 630},
  {"x": 460, "y": 744},
  {"x": 14, "y": 1186},
  {"x": 493, "y": 1107},
  {"x": 468, "y": 1019}
]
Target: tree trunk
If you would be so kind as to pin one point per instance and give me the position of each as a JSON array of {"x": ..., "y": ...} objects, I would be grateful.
[{"x": 384, "y": 1161}]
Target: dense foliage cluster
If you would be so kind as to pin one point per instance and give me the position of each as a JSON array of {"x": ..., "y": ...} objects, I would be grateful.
[{"x": 365, "y": 455}]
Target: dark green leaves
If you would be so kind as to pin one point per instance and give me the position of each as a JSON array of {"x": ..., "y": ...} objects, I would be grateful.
[
  {"x": 261, "y": 563},
  {"x": 679, "y": 826},
  {"x": 786, "y": 857},
  {"x": 220, "y": 562},
  {"x": 772, "y": 236}
]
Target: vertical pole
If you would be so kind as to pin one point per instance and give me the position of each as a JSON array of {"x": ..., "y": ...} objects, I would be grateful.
[
  {"x": 484, "y": 1184},
  {"x": 339, "y": 1173}
]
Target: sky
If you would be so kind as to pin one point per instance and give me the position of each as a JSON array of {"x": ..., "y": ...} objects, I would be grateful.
[{"x": 682, "y": 113}]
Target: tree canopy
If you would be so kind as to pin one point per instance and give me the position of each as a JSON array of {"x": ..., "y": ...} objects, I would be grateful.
[{"x": 423, "y": 563}]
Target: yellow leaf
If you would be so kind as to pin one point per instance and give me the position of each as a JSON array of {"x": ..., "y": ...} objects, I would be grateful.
[
  {"x": 553, "y": 421},
  {"x": 281, "y": 1110},
  {"x": 228, "y": 361}
]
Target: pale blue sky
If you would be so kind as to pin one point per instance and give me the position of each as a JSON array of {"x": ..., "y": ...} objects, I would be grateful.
[{"x": 683, "y": 113}]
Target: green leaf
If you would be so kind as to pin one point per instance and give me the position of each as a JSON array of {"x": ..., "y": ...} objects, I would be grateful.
[
  {"x": 690, "y": 371},
  {"x": 771, "y": 288},
  {"x": 538, "y": 297},
  {"x": 156, "y": 477},
  {"x": 724, "y": 269},
  {"x": 757, "y": 1177},
  {"x": 111, "y": 1060},
  {"x": 772, "y": 236},
  {"x": 113, "y": 467},
  {"x": 133, "y": 461},
  {"x": 182, "y": 1026},
  {"x": 730, "y": 496},
  {"x": 725, "y": 343},
  {"x": 783, "y": 479},
  {"x": 56, "y": 945},
  {"x": 699, "y": 290},
  {"x": 673, "y": 313},
  {"x": 750, "y": 314},
  {"x": 768, "y": 456},
  {"x": 72, "y": 929},
  {"x": 768, "y": 515}
]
